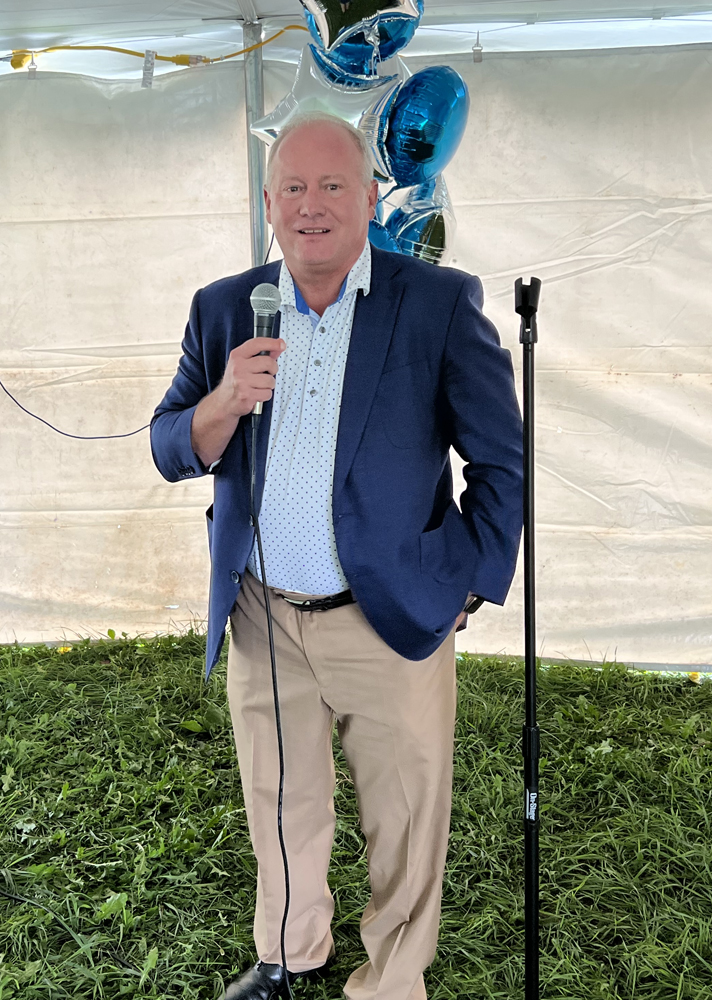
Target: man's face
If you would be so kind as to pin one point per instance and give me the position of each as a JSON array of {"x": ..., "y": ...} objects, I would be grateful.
[{"x": 317, "y": 203}]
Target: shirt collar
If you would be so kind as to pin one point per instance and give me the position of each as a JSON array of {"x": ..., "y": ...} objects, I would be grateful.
[{"x": 359, "y": 277}]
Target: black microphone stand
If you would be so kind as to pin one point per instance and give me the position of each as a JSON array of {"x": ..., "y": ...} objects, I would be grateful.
[{"x": 526, "y": 301}]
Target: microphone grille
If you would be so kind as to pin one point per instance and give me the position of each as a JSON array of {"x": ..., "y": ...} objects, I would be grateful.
[{"x": 265, "y": 299}]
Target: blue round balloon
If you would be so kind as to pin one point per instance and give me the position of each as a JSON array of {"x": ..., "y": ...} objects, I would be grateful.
[
  {"x": 381, "y": 238},
  {"x": 426, "y": 124}
]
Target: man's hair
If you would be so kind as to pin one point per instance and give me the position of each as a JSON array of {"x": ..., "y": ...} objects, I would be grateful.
[{"x": 312, "y": 117}]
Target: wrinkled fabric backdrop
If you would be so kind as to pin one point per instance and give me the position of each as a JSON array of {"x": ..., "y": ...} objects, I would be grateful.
[{"x": 591, "y": 171}]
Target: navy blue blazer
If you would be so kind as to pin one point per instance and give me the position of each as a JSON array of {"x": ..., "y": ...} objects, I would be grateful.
[{"x": 425, "y": 371}]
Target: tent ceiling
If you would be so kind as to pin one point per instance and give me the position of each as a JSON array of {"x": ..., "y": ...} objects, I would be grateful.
[
  {"x": 17, "y": 16},
  {"x": 214, "y": 28}
]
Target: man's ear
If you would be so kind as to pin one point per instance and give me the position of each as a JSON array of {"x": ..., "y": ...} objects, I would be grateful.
[
  {"x": 268, "y": 205},
  {"x": 373, "y": 198}
]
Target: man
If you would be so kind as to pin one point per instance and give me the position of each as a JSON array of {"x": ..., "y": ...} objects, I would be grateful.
[{"x": 383, "y": 363}]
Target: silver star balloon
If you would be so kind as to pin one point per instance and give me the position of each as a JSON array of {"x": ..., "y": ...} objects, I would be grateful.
[{"x": 363, "y": 102}]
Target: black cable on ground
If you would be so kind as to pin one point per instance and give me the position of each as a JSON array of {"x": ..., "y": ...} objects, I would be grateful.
[{"x": 115, "y": 956}]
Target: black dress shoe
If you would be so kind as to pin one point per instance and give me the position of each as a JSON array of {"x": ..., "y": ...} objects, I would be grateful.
[{"x": 265, "y": 982}]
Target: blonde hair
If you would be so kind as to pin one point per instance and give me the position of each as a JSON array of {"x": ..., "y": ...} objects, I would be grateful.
[{"x": 311, "y": 117}]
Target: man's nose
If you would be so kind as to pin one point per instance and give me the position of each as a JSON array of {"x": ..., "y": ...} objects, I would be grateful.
[{"x": 312, "y": 203}]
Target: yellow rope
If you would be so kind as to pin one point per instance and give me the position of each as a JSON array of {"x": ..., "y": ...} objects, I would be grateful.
[{"x": 21, "y": 57}]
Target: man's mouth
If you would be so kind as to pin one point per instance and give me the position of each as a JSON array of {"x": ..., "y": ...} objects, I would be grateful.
[{"x": 313, "y": 231}]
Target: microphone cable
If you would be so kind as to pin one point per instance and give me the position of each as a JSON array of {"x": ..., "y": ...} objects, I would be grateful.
[
  {"x": 93, "y": 437},
  {"x": 80, "y": 437},
  {"x": 275, "y": 691}
]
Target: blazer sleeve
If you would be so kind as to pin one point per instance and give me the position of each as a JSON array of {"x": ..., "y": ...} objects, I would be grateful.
[
  {"x": 485, "y": 428},
  {"x": 171, "y": 424}
]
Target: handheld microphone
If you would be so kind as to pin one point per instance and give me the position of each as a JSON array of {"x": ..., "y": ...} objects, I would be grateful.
[{"x": 265, "y": 301}]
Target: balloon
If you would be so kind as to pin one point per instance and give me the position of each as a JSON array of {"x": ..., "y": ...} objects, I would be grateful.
[
  {"x": 426, "y": 124},
  {"x": 340, "y": 77},
  {"x": 424, "y": 225},
  {"x": 381, "y": 238},
  {"x": 359, "y": 33},
  {"x": 365, "y": 104},
  {"x": 413, "y": 124}
]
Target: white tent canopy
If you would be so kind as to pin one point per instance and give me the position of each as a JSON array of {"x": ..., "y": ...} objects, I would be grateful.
[
  {"x": 588, "y": 169},
  {"x": 214, "y": 28}
]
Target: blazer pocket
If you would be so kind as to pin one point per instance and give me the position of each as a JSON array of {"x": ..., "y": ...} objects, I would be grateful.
[{"x": 445, "y": 551}]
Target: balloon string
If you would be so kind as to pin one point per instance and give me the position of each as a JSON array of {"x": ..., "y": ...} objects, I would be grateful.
[{"x": 21, "y": 57}]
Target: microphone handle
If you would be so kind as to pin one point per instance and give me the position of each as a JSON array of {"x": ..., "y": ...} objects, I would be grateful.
[{"x": 264, "y": 327}]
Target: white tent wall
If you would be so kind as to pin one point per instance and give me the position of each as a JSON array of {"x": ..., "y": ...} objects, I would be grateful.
[
  {"x": 117, "y": 203},
  {"x": 591, "y": 171}
]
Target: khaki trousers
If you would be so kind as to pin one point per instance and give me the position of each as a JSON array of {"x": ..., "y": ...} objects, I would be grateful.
[{"x": 395, "y": 720}]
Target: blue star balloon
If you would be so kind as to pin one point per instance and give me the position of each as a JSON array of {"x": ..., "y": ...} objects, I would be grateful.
[{"x": 358, "y": 34}]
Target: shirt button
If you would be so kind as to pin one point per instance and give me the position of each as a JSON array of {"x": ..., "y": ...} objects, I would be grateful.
[
  {"x": 317, "y": 362},
  {"x": 235, "y": 576},
  {"x": 312, "y": 392},
  {"x": 322, "y": 329}
]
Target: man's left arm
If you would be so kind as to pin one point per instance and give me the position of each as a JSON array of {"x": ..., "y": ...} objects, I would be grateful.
[{"x": 485, "y": 428}]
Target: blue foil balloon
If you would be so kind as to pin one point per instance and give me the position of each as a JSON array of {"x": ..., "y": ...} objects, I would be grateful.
[
  {"x": 361, "y": 52},
  {"x": 424, "y": 225},
  {"x": 426, "y": 124},
  {"x": 381, "y": 238},
  {"x": 335, "y": 74},
  {"x": 359, "y": 34}
]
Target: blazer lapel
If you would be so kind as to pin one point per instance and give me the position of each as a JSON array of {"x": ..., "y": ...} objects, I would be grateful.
[{"x": 374, "y": 320}]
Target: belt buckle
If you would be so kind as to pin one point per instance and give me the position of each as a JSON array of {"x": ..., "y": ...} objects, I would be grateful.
[{"x": 318, "y": 603}]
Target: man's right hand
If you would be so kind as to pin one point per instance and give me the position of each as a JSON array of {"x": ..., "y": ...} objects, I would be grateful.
[
  {"x": 249, "y": 376},
  {"x": 248, "y": 379}
]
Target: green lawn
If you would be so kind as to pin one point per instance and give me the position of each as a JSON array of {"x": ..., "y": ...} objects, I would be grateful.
[{"x": 121, "y": 812}]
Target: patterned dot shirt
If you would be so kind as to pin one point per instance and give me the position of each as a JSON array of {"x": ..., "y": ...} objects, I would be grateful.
[{"x": 296, "y": 519}]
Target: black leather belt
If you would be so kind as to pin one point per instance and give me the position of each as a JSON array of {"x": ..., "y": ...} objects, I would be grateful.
[{"x": 322, "y": 603}]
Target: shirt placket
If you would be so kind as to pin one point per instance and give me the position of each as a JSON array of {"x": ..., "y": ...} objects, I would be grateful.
[{"x": 318, "y": 361}]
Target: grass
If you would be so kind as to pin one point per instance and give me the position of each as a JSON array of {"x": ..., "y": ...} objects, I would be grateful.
[{"x": 121, "y": 812}]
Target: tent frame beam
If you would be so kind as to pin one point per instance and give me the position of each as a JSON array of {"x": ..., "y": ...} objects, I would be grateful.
[{"x": 254, "y": 110}]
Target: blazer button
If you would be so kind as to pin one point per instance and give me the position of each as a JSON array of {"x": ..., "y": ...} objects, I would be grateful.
[{"x": 235, "y": 576}]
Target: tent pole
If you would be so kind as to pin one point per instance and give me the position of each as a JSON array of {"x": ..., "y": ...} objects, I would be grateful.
[{"x": 254, "y": 110}]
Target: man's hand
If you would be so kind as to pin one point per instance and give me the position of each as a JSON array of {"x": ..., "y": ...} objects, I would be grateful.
[
  {"x": 462, "y": 618},
  {"x": 249, "y": 378}
]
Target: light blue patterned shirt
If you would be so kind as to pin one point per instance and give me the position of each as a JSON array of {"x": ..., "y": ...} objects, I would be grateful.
[{"x": 296, "y": 520}]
